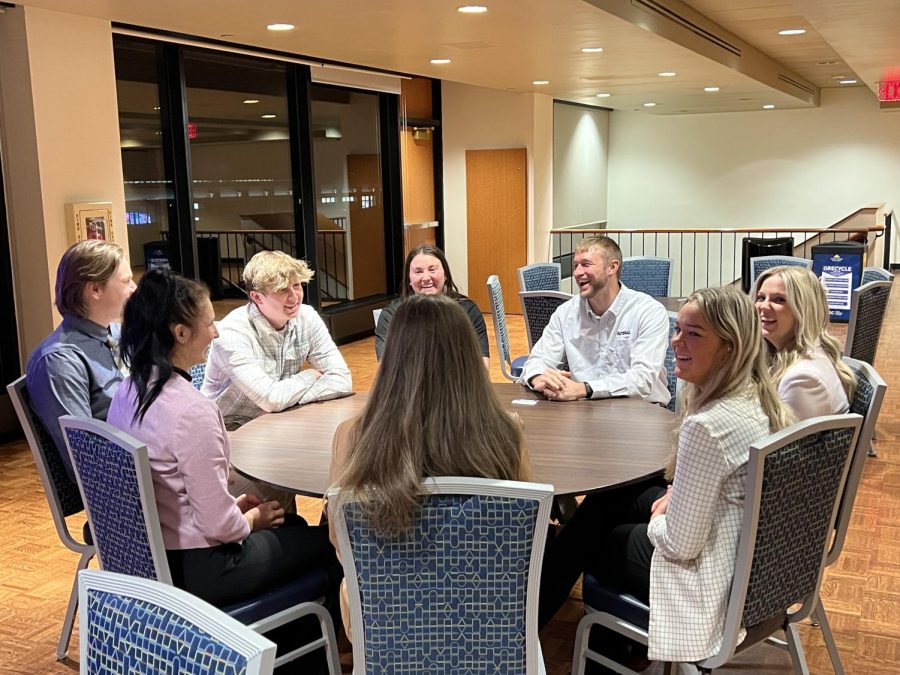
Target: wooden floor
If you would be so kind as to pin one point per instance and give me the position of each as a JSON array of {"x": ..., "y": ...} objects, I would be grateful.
[{"x": 861, "y": 593}]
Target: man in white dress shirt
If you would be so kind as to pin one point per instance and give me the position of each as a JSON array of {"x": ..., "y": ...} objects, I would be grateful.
[{"x": 611, "y": 340}]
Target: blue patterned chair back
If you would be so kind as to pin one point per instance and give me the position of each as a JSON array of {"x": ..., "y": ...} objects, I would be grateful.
[
  {"x": 197, "y": 373},
  {"x": 458, "y": 593},
  {"x": 671, "y": 380},
  {"x": 875, "y": 274},
  {"x": 501, "y": 332},
  {"x": 132, "y": 625},
  {"x": 540, "y": 277},
  {"x": 867, "y": 401},
  {"x": 647, "y": 274},
  {"x": 62, "y": 492},
  {"x": 537, "y": 308},
  {"x": 794, "y": 481},
  {"x": 867, "y": 310},
  {"x": 767, "y": 262},
  {"x": 114, "y": 474}
]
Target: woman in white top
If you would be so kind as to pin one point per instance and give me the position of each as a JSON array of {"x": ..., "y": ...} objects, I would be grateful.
[
  {"x": 675, "y": 546},
  {"x": 804, "y": 360}
]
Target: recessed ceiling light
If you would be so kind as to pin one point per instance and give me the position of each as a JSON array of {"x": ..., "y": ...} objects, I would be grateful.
[
  {"x": 649, "y": 105},
  {"x": 540, "y": 82},
  {"x": 710, "y": 89},
  {"x": 603, "y": 94},
  {"x": 668, "y": 73},
  {"x": 769, "y": 106},
  {"x": 440, "y": 62},
  {"x": 592, "y": 50},
  {"x": 472, "y": 9},
  {"x": 848, "y": 82},
  {"x": 792, "y": 31},
  {"x": 250, "y": 100},
  {"x": 280, "y": 26},
  {"x": 269, "y": 116},
  {"x": 827, "y": 62},
  {"x": 156, "y": 107}
]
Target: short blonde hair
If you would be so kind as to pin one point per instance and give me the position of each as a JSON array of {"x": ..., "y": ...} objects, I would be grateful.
[
  {"x": 273, "y": 271},
  {"x": 608, "y": 248},
  {"x": 87, "y": 262}
]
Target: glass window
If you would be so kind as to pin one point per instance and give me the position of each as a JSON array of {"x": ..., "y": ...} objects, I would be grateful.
[
  {"x": 240, "y": 160},
  {"x": 350, "y": 244},
  {"x": 146, "y": 189}
]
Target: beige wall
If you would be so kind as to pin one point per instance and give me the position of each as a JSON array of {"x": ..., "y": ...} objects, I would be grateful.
[
  {"x": 61, "y": 144},
  {"x": 476, "y": 118},
  {"x": 580, "y": 164}
]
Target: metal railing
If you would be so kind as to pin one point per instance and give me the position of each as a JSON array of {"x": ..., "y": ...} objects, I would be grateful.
[{"x": 702, "y": 257}]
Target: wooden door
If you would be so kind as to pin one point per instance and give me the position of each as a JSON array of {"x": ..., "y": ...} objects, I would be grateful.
[
  {"x": 366, "y": 225},
  {"x": 497, "y": 213}
]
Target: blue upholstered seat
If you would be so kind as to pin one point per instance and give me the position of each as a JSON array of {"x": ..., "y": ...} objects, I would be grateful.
[
  {"x": 795, "y": 481},
  {"x": 197, "y": 373},
  {"x": 537, "y": 308},
  {"x": 875, "y": 274},
  {"x": 510, "y": 367},
  {"x": 62, "y": 494},
  {"x": 132, "y": 625},
  {"x": 868, "y": 305},
  {"x": 648, "y": 274},
  {"x": 767, "y": 262},
  {"x": 114, "y": 474},
  {"x": 671, "y": 380},
  {"x": 540, "y": 277},
  {"x": 456, "y": 594}
]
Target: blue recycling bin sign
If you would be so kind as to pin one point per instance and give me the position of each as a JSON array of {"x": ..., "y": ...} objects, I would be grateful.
[{"x": 839, "y": 267}]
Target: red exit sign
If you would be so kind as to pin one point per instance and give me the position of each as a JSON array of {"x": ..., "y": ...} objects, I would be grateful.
[{"x": 192, "y": 131}]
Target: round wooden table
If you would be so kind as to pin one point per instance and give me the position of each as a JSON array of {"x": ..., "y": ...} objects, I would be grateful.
[{"x": 577, "y": 446}]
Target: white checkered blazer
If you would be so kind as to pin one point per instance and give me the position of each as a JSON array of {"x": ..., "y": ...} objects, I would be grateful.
[{"x": 696, "y": 540}]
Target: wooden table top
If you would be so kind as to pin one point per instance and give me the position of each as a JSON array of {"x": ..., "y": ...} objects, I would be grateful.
[{"x": 577, "y": 446}]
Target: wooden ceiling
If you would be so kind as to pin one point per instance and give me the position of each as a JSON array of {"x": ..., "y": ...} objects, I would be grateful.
[{"x": 517, "y": 42}]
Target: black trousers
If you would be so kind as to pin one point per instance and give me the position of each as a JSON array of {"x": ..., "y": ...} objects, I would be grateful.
[
  {"x": 230, "y": 573},
  {"x": 607, "y": 537}
]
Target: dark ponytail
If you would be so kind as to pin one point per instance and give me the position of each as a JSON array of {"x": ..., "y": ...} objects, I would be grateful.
[{"x": 162, "y": 300}]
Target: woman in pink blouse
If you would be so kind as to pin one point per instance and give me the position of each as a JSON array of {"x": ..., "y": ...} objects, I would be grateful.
[{"x": 219, "y": 548}]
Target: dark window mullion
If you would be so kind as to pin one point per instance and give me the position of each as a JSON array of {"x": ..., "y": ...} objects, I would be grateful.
[
  {"x": 177, "y": 158},
  {"x": 303, "y": 180},
  {"x": 391, "y": 181},
  {"x": 437, "y": 146}
]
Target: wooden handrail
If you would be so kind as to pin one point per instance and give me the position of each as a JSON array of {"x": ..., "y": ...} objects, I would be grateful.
[{"x": 722, "y": 230}]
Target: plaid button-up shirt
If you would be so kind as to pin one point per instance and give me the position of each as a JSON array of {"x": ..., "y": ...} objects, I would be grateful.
[{"x": 254, "y": 369}]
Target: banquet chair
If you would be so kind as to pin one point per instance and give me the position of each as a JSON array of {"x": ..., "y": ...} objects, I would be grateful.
[
  {"x": 459, "y": 592},
  {"x": 511, "y": 368},
  {"x": 875, "y": 274},
  {"x": 113, "y": 472},
  {"x": 157, "y": 626},
  {"x": 767, "y": 262},
  {"x": 795, "y": 480},
  {"x": 648, "y": 274},
  {"x": 867, "y": 308},
  {"x": 376, "y": 316},
  {"x": 545, "y": 276},
  {"x": 537, "y": 308},
  {"x": 62, "y": 495},
  {"x": 198, "y": 374}
]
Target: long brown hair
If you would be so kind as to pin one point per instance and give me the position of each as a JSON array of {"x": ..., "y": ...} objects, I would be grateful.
[
  {"x": 432, "y": 412},
  {"x": 732, "y": 317},
  {"x": 449, "y": 285}
]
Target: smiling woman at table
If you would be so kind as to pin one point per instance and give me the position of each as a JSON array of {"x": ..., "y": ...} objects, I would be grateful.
[
  {"x": 675, "y": 547},
  {"x": 219, "y": 548},
  {"x": 432, "y": 412},
  {"x": 804, "y": 360}
]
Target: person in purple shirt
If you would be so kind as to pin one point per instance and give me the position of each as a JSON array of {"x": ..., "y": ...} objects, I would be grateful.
[
  {"x": 75, "y": 370},
  {"x": 220, "y": 548}
]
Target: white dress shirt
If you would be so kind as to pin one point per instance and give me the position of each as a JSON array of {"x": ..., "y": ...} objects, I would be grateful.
[
  {"x": 811, "y": 387},
  {"x": 695, "y": 542},
  {"x": 254, "y": 369},
  {"x": 620, "y": 353}
]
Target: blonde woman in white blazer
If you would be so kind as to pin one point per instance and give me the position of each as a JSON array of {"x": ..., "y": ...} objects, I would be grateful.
[
  {"x": 804, "y": 360},
  {"x": 675, "y": 546}
]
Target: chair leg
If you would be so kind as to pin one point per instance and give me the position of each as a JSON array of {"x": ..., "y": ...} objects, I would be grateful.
[
  {"x": 871, "y": 452},
  {"x": 798, "y": 659},
  {"x": 62, "y": 647},
  {"x": 822, "y": 618}
]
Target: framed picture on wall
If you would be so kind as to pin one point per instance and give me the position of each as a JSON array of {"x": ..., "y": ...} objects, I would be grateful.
[{"x": 90, "y": 221}]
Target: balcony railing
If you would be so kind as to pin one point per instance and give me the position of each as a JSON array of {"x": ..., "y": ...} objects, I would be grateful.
[{"x": 705, "y": 257}]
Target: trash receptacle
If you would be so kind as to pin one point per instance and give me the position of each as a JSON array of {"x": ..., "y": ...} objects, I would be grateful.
[
  {"x": 839, "y": 266},
  {"x": 156, "y": 256},
  {"x": 756, "y": 247}
]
